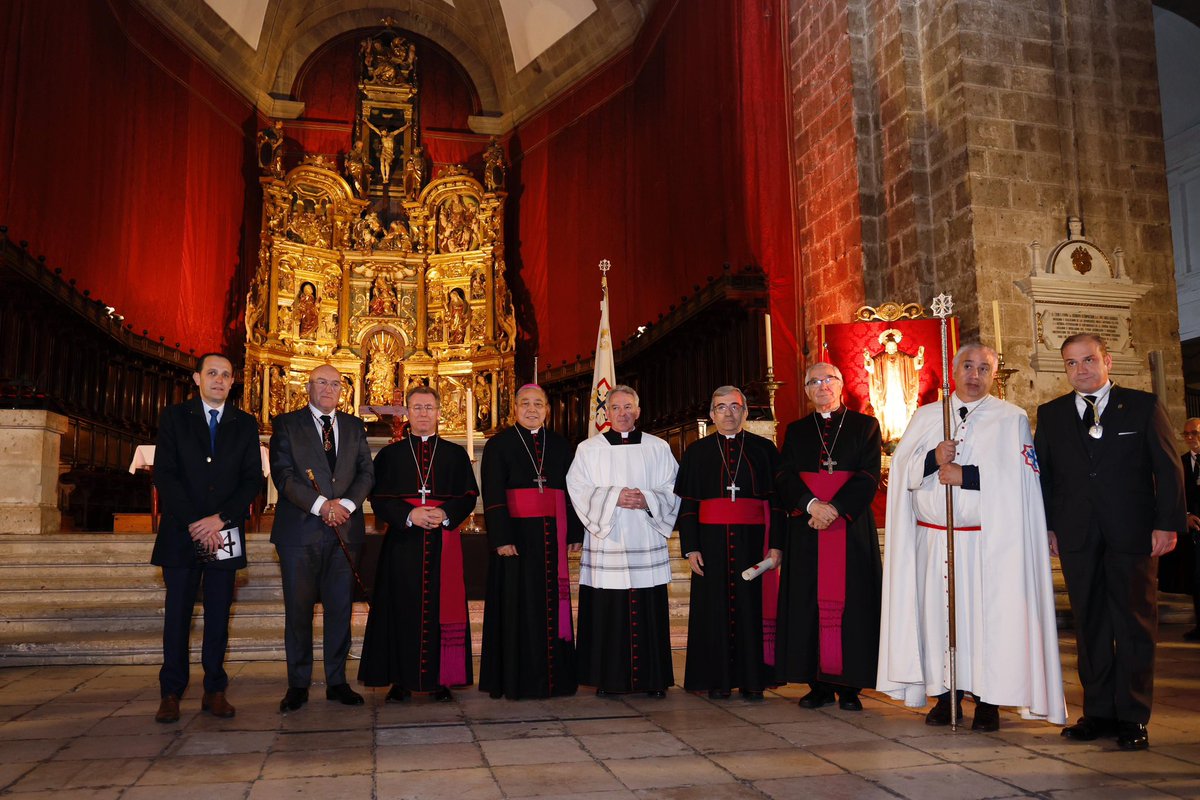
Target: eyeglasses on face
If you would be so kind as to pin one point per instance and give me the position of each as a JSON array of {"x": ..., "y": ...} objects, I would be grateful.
[
  {"x": 423, "y": 409},
  {"x": 729, "y": 408},
  {"x": 814, "y": 382},
  {"x": 324, "y": 384}
]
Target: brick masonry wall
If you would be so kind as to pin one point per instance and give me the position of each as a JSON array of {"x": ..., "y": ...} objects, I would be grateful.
[{"x": 979, "y": 125}]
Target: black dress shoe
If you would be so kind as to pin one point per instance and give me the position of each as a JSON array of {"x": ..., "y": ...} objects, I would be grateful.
[
  {"x": 817, "y": 698},
  {"x": 1193, "y": 635},
  {"x": 1088, "y": 729},
  {"x": 443, "y": 695},
  {"x": 848, "y": 701},
  {"x": 342, "y": 693},
  {"x": 293, "y": 699},
  {"x": 657, "y": 694},
  {"x": 750, "y": 694},
  {"x": 717, "y": 694},
  {"x": 987, "y": 718},
  {"x": 397, "y": 694},
  {"x": 940, "y": 713},
  {"x": 1132, "y": 736}
]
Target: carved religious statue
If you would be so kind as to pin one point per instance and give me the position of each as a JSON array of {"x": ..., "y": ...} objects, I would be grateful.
[
  {"x": 414, "y": 172},
  {"x": 383, "y": 298},
  {"x": 305, "y": 312},
  {"x": 387, "y": 148},
  {"x": 894, "y": 380},
  {"x": 493, "y": 167},
  {"x": 270, "y": 150},
  {"x": 359, "y": 169},
  {"x": 381, "y": 377},
  {"x": 458, "y": 317}
]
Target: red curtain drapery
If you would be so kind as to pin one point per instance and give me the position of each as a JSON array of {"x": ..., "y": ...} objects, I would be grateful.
[{"x": 121, "y": 161}]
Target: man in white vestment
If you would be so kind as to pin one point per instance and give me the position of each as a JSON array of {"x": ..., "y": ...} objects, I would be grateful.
[
  {"x": 1007, "y": 640},
  {"x": 621, "y": 487}
]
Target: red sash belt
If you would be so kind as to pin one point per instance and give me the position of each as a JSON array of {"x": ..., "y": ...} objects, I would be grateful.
[
  {"x": 452, "y": 605},
  {"x": 527, "y": 503},
  {"x": 831, "y": 572},
  {"x": 933, "y": 526},
  {"x": 723, "y": 511},
  {"x": 750, "y": 511}
]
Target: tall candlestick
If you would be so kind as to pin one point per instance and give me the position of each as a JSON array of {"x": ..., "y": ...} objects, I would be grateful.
[
  {"x": 471, "y": 424},
  {"x": 996, "y": 323},
  {"x": 535, "y": 369},
  {"x": 770, "y": 352}
]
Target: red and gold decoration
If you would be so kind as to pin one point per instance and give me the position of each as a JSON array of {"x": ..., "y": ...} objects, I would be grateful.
[
  {"x": 394, "y": 279},
  {"x": 890, "y": 360}
]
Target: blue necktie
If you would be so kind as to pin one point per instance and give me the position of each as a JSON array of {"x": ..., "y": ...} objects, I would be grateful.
[{"x": 212, "y": 430}]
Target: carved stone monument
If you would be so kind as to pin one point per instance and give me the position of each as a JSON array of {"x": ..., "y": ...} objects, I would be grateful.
[{"x": 1078, "y": 288}]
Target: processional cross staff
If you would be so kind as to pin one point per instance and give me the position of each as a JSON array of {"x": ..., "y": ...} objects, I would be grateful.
[{"x": 942, "y": 305}]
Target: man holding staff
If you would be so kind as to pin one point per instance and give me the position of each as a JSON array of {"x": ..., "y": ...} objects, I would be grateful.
[{"x": 1007, "y": 640}]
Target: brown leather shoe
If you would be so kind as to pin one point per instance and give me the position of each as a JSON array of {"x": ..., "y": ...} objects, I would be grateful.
[
  {"x": 217, "y": 705},
  {"x": 168, "y": 709}
]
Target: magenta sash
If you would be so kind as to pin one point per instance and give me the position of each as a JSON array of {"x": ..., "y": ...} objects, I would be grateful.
[
  {"x": 452, "y": 607},
  {"x": 724, "y": 511},
  {"x": 530, "y": 503},
  {"x": 831, "y": 572}
]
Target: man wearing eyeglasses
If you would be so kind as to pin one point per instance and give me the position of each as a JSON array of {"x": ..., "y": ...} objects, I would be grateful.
[
  {"x": 830, "y": 582},
  {"x": 726, "y": 486},
  {"x": 418, "y": 636},
  {"x": 1007, "y": 636},
  {"x": 332, "y": 447},
  {"x": 1179, "y": 570}
]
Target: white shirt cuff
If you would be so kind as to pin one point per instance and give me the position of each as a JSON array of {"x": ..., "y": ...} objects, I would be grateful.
[{"x": 316, "y": 507}]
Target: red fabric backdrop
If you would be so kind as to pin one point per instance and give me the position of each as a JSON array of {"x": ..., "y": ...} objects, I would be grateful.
[
  {"x": 122, "y": 160},
  {"x": 842, "y": 345},
  {"x": 669, "y": 161}
]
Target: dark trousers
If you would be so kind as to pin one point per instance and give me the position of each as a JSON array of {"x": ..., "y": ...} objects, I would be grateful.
[
  {"x": 182, "y": 585},
  {"x": 1116, "y": 623},
  {"x": 311, "y": 574}
]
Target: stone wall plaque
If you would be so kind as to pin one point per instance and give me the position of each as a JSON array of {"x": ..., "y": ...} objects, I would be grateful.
[{"x": 1078, "y": 288}]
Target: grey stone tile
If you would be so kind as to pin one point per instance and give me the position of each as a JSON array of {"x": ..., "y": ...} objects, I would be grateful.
[
  {"x": 458, "y": 784},
  {"x": 542, "y": 779},
  {"x": 634, "y": 745},
  {"x": 940, "y": 782},
  {"x": 769, "y": 764},
  {"x": 546, "y": 750},
  {"x": 413, "y": 757},
  {"x": 666, "y": 772}
]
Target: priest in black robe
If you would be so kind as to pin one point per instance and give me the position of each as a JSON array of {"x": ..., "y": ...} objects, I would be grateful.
[
  {"x": 829, "y": 592},
  {"x": 528, "y": 633},
  {"x": 418, "y": 636},
  {"x": 726, "y": 486}
]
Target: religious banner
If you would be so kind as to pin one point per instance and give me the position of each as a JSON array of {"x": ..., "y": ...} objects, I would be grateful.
[
  {"x": 889, "y": 366},
  {"x": 604, "y": 371}
]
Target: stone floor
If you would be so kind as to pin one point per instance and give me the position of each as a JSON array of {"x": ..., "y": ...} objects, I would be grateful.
[{"x": 88, "y": 731}]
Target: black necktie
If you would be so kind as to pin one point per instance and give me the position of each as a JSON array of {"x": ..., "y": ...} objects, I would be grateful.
[
  {"x": 327, "y": 441},
  {"x": 1089, "y": 415}
]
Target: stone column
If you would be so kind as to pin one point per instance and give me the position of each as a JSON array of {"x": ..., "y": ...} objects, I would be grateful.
[{"x": 29, "y": 447}]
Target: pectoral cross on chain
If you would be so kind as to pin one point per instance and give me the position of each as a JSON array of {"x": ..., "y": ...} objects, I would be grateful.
[
  {"x": 540, "y": 480},
  {"x": 733, "y": 489},
  {"x": 829, "y": 464},
  {"x": 423, "y": 491}
]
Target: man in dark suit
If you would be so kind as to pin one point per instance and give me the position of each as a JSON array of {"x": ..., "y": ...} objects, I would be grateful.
[
  {"x": 1113, "y": 490},
  {"x": 207, "y": 470},
  {"x": 1180, "y": 571},
  {"x": 308, "y": 523}
]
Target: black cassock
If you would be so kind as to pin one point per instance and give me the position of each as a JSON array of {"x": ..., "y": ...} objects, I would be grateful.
[
  {"x": 525, "y": 653},
  {"x": 727, "y": 645},
  {"x": 409, "y": 633},
  {"x": 853, "y": 439}
]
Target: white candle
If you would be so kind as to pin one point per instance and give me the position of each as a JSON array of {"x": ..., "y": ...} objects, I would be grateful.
[
  {"x": 770, "y": 352},
  {"x": 996, "y": 324},
  {"x": 471, "y": 423}
]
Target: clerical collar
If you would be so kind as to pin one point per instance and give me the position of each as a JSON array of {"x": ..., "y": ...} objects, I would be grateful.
[
  {"x": 427, "y": 438},
  {"x": 533, "y": 432},
  {"x": 828, "y": 414},
  {"x": 628, "y": 437},
  {"x": 732, "y": 435}
]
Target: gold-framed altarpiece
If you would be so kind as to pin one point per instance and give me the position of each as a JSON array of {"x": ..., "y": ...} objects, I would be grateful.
[{"x": 395, "y": 282}]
